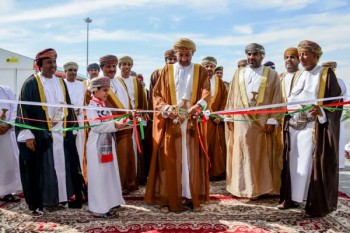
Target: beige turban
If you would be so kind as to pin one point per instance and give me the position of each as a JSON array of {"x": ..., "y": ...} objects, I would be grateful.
[
  {"x": 219, "y": 68},
  {"x": 125, "y": 59},
  {"x": 184, "y": 44},
  {"x": 169, "y": 53},
  {"x": 308, "y": 45},
  {"x": 99, "y": 82},
  {"x": 242, "y": 63},
  {"x": 331, "y": 64},
  {"x": 70, "y": 65},
  {"x": 108, "y": 59},
  {"x": 291, "y": 51},
  {"x": 208, "y": 60}
]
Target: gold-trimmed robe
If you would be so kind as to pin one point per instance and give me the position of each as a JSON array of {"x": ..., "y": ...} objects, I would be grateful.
[
  {"x": 164, "y": 181},
  {"x": 250, "y": 151}
]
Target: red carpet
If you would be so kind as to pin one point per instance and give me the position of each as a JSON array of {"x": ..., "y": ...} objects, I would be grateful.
[{"x": 223, "y": 213}]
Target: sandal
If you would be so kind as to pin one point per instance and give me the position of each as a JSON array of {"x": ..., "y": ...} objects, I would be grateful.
[
  {"x": 37, "y": 213},
  {"x": 96, "y": 215},
  {"x": 10, "y": 198},
  {"x": 165, "y": 209},
  {"x": 284, "y": 205},
  {"x": 125, "y": 192},
  {"x": 112, "y": 214},
  {"x": 197, "y": 209},
  {"x": 188, "y": 204}
]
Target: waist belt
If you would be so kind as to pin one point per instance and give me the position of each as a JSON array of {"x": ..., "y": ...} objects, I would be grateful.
[{"x": 299, "y": 120}]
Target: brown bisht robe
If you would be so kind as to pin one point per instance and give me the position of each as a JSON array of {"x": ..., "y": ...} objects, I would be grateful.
[
  {"x": 125, "y": 149},
  {"x": 141, "y": 104},
  {"x": 148, "y": 145},
  {"x": 164, "y": 181},
  {"x": 322, "y": 196},
  {"x": 250, "y": 151},
  {"x": 87, "y": 98},
  {"x": 216, "y": 132}
]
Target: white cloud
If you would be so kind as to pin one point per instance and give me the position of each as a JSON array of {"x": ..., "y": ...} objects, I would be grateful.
[
  {"x": 6, "y": 6},
  {"x": 83, "y": 7},
  {"x": 243, "y": 29},
  {"x": 154, "y": 21},
  {"x": 281, "y": 4}
]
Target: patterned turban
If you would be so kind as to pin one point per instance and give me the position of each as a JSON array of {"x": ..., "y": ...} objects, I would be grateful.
[
  {"x": 45, "y": 54},
  {"x": 133, "y": 73},
  {"x": 242, "y": 62},
  {"x": 208, "y": 60},
  {"x": 270, "y": 64},
  {"x": 184, "y": 44},
  {"x": 308, "y": 45},
  {"x": 93, "y": 66},
  {"x": 139, "y": 77},
  {"x": 219, "y": 68},
  {"x": 255, "y": 48},
  {"x": 70, "y": 65},
  {"x": 108, "y": 59},
  {"x": 99, "y": 82},
  {"x": 125, "y": 59},
  {"x": 169, "y": 53},
  {"x": 331, "y": 64},
  {"x": 291, "y": 51}
]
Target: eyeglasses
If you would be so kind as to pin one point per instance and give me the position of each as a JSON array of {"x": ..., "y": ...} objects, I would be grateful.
[{"x": 75, "y": 70}]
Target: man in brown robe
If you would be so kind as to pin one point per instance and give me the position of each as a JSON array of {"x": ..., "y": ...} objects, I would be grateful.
[
  {"x": 310, "y": 159},
  {"x": 216, "y": 127},
  {"x": 118, "y": 98},
  {"x": 179, "y": 167},
  {"x": 138, "y": 100},
  {"x": 170, "y": 58},
  {"x": 250, "y": 148}
]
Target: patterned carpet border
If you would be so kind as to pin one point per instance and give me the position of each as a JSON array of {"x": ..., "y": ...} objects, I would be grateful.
[{"x": 223, "y": 213}]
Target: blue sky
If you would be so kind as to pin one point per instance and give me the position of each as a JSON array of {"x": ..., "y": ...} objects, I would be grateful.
[{"x": 144, "y": 29}]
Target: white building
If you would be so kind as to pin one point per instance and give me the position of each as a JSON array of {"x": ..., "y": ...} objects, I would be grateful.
[{"x": 14, "y": 69}]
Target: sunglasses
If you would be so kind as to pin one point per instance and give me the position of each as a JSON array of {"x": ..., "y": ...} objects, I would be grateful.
[{"x": 75, "y": 70}]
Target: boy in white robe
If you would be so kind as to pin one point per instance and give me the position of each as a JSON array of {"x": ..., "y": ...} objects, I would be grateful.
[{"x": 104, "y": 189}]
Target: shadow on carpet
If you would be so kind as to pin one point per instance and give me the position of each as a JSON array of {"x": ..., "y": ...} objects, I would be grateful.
[{"x": 223, "y": 213}]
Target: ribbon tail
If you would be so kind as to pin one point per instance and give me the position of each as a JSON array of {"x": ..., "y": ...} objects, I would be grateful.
[
  {"x": 142, "y": 131},
  {"x": 202, "y": 145},
  {"x": 136, "y": 133}
]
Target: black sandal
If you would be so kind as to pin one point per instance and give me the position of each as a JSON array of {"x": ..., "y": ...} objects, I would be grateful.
[{"x": 10, "y": 198}]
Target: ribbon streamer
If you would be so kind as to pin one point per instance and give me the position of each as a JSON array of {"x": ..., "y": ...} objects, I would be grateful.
[
  {"x": 136, "y": 132},
  {"x": 200, "y": 139}
]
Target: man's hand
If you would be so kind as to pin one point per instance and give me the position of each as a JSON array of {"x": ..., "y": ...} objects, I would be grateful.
[
  {"x": 316, "y": 111},
  {"x": 30, "y": 143},
  {"x": 4, "y": 128},
  {"x": 217, "y": 120},
  {"x": 347, "y": 154},
  {"x": 171, "y": 112},
  {"x": 230, "y": 126},
  {"x": 269, "y": 128},
  {"x": 194, "y": 109},
  {"x": 126, "y": 123}
]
